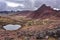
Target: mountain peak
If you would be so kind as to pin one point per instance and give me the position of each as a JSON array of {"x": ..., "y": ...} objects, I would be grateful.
[
  {"x": 44, "y": 12},
  {"x": 44, "y": 7}
]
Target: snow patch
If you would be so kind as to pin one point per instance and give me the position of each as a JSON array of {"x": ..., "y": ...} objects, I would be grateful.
[{"x": 56, "y": 9}]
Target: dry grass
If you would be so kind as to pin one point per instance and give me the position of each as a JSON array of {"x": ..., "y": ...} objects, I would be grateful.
[{"x": 37, "y": 24}]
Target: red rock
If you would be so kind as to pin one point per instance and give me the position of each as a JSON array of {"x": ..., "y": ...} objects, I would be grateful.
[{"x": 44, "y": 12}]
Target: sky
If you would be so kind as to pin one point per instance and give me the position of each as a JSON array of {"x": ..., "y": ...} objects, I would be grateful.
[{"x": 27, "y": 4}]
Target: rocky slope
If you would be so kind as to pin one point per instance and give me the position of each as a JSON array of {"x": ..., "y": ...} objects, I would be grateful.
[{"x": 45, "y": 12}]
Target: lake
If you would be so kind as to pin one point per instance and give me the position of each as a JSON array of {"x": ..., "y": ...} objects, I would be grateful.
[{"x": 12, "y": 27}]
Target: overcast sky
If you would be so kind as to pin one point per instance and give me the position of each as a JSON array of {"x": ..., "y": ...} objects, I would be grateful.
[{"x": 27, "y": 4}]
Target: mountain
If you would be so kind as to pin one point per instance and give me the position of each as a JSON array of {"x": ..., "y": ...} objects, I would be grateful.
[
  {"x": 45, "y": 12},
  {"x": 42, "y": 12}
]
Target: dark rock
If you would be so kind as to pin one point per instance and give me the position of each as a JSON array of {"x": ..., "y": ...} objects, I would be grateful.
[
  {"x": 58, "y": 38},
  {"x": 58, "y": 32},
  {"x": 41, "y": 35},
  {"x": 8, "y": 38},
  {"x": 51, "y": 33}
]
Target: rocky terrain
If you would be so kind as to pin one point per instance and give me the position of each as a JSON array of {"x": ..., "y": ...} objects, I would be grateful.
[
  {"x": 45, "y": 12},
  {"x": 41, "y": 24}
]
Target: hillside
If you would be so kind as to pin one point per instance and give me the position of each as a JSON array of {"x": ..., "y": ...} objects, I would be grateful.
[
  {"x": 41, "y": 24},
  {"x": 45, "y": 12}
]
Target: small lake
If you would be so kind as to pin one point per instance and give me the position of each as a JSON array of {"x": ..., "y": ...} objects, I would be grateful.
[{"x": 12, "y": 27}]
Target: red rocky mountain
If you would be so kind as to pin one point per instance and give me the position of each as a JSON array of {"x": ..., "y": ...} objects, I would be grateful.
[{"x": 45, "y": 12}]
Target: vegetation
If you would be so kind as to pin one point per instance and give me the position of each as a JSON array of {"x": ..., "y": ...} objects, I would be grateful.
[{"x": 28, "y": 23}]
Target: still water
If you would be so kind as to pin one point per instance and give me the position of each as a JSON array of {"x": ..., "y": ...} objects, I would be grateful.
[{"x": 12, "y": 27}]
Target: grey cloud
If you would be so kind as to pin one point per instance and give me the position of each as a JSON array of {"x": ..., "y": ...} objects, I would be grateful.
[
  {"x": 51, "y": 3},
  {"x": 37, "y": 2},
  {"x": 29, "y": 4},
  {"x": 2, "y": 6}
]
